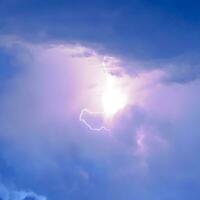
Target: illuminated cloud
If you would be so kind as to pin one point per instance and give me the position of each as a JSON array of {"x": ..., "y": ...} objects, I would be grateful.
[
  {"x": 70, "y": 70},
  {"x": 54, "y": 102}
]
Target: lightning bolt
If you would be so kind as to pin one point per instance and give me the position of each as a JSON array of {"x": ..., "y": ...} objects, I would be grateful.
[
  {"x": 86, "y": 110},
  {"x": 107, "y": 69},
  {"x": 102, "y": 128}
]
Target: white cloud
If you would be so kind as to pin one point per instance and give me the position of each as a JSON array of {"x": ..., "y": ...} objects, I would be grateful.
[
  {"x": 40, "y": 119},
  {"x": 8, "y": 194}
]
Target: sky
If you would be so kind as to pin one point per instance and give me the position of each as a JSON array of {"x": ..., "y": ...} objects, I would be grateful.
[{"x": 99, "y": 100}]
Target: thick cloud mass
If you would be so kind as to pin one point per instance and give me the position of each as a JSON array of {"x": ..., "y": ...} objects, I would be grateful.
[
  {"x": 136, "y": 28},
  {"x": 150, "y": 153},
  {"x": 148, "y": 35},
  {"x": 53, "y": 58}
]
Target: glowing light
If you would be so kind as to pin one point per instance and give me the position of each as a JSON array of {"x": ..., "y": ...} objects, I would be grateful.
[
  {"x": 114, "y": 98},
  {"x": 112, "y": 90}
]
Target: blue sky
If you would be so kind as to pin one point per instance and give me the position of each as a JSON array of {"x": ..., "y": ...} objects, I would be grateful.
[{"x": 55, "y": 59}]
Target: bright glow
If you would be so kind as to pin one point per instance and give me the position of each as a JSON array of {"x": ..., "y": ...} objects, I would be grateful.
[{"x": 114, "y": 98}]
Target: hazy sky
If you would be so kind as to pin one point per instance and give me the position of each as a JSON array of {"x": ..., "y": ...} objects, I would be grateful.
[{"x": 99, "y": 100}]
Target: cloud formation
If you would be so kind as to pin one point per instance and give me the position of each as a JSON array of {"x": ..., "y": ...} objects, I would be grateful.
[
  {"x": 6, "y": 194},
  {"x": 129, "y": 29},
  {"x": 43, "y": 139}
]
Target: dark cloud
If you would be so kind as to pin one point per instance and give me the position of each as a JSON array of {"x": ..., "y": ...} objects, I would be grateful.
[
  {"x": 133, "y": 29},
  {"x": 144, "y": 36},
  {"x": 29, "y": 198}
]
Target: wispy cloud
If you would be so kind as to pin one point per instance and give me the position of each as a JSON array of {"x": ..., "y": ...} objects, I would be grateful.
[{"x": 8, "y": 194}]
